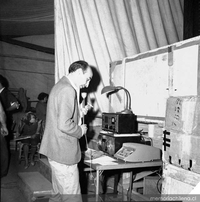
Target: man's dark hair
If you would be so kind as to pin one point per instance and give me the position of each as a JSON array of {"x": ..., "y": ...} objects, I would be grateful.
[
  {"x": 78, "y": 65},
  {"x": 42, "y": 95}
]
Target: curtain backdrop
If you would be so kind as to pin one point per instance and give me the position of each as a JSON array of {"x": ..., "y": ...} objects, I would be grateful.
[{"x": 103, "y": 31}]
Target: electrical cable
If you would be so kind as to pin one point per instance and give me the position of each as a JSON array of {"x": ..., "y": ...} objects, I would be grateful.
[
  {"x": 159, "y": 188},
  {"x": 83, "y": 95}
]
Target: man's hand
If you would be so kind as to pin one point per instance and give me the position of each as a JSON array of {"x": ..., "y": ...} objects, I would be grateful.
[
  {"x": 86, "y": 108},
  {"x": 13, "y": 106},
  {"x": 4, "y": 130},
  {"x": 84, "y": 128}
]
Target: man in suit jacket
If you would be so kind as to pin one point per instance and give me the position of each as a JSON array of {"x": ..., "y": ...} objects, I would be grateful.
[
  {"x": 10, "y": 105},
  {"x": 63, "y": 129},
  {"x": 4, "y": 149}
]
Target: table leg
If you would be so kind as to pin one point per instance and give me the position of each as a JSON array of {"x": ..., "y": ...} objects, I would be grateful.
[
  {"x": 97, "y": 182},
  {"x": 116, "y": 180},
  {"x": 130, "y": 186},
  {"x": 97, "y": 185}
]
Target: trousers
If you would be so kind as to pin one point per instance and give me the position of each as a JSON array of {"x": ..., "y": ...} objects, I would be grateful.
[
  {"x": 4, "y": 156},
  {"x": 65, "y": 182}
]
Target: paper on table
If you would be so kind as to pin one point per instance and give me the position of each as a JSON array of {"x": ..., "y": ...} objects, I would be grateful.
[{"x": 103, "y": 160}]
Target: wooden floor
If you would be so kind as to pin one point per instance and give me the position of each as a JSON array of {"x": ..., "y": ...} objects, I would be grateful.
[{"x": 12, "y": 190}]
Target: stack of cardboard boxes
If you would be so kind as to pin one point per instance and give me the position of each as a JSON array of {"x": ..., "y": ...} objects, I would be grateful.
[{"x": 181, "y": 145}]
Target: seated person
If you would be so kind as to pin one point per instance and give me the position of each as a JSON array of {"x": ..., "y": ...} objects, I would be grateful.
[
  {"x": 41, "y": 106},
  {"x": 30, "y": 130}
]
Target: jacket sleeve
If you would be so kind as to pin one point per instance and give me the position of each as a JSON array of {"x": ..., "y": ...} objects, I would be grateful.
[{"x": 68, "y": 113}]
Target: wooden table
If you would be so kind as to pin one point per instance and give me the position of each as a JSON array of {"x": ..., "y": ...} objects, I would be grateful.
[{"x": 120, "y": 165}]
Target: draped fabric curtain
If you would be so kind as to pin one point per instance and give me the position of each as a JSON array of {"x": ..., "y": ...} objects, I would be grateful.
[{"x": 103, "y": 31}]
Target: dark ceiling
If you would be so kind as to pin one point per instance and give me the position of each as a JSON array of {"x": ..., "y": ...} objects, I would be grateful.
[{"x": 26, "y": 17}]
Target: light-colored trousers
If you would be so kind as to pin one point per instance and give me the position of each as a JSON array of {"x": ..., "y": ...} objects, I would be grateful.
[{"x": 65, "y": 182}]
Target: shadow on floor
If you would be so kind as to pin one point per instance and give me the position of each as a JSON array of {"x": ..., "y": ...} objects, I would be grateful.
[{"x": 10, "y": 191}]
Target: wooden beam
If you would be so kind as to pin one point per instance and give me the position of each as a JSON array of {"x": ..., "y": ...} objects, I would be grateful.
[{"x": 28, "y": 45}]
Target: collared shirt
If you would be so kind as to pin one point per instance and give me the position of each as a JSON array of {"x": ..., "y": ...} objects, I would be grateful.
[{"x": 2, "y": 89}]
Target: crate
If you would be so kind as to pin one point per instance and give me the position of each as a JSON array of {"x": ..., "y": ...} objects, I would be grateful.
[
  {"x": 183, "y": 115},
  {"x": 177, "y": 180},
  {"x": 183, "y": 150},
  {"x": 181, "y": 139}
]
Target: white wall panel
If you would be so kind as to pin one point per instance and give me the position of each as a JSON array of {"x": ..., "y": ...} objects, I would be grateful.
[{"x": 153, "y": 76}]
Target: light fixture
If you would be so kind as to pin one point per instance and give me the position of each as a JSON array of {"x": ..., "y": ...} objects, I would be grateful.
[{"x": 108, "y": 89}]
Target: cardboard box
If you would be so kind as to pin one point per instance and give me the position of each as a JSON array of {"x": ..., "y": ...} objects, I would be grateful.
[
  {"x": 181, "y": 139},
  {"x": 177, "y": 180},
  {"x": 183, "y": 151},
  {"x": 183, "y": 114}
]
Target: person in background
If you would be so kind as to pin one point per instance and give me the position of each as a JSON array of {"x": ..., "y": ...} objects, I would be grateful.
[
  {"x": 3, "y": 127},
  {"x": 9, "y": 102},
  {"x": 30, "y": 130},
  {"x": 22, "y": 99},
  {"x": 10, "y": 105},
  {"x": 41, "y": 106},
  {"x": 4, "y": 149},
  {"x": 63, "y": 129}
]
